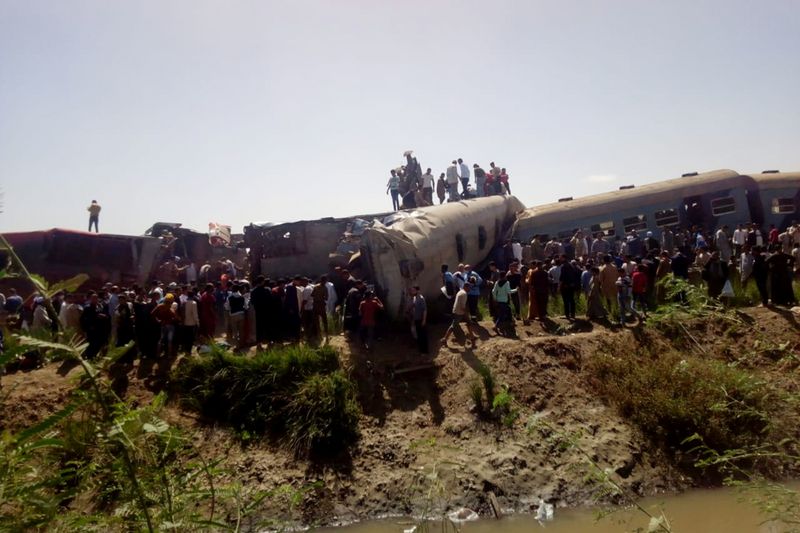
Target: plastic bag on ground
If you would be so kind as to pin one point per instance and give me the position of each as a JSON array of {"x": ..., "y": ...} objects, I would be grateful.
[{"x": 545, "y": 511}]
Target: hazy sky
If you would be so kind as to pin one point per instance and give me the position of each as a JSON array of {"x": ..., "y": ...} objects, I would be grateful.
[{"x": 236, "y": 111}]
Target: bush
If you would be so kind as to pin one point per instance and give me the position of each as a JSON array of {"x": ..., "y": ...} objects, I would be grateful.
[
  {"x": 323, "y": 415},
  {"x": 670, "y": 399},
  {"x": 294, "y": 393}
]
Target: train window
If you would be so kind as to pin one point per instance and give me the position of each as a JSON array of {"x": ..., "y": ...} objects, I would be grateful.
[
  {"x": 722, "y": 206},
  {"x": 667, "y": 217},
  {"x": 639, "y": 222},
  {"x": 783, "y": 205},
  {"x": 482, "y": 237},
  {"x": 460, "y": 247},
  {"x": 606, "y": 228}
]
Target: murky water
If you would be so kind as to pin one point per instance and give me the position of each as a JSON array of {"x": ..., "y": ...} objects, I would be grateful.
[{"x": 698, "y": 511}]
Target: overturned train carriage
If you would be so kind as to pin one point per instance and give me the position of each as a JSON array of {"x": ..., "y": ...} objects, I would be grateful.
[
  {"x": 411, "y": 251},
  {"x": 59, "y": 254},
  {"x": 306, "y": 247},
  {"x": 707, "y": 200}
]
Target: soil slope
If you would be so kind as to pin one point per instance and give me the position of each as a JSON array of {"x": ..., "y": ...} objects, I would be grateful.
[{"x": 425, "y": 419}]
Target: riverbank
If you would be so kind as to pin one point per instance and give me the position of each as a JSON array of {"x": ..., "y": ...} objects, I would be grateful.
[{"x": 424, "y": 444}]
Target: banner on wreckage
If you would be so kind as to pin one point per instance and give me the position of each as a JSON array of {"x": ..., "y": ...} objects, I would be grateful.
[{"x": 219, "y": 234}]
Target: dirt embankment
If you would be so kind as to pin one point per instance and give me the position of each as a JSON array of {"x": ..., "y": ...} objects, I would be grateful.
[{"x": 425, "y": 418}]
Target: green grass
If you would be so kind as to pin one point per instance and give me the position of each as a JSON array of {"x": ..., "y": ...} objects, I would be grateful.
[
  {"x": 297, "y": 395},
  {"x": 672, "y": 396}
]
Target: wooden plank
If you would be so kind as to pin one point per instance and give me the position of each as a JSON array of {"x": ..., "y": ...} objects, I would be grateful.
[
  {"x": 495, "y": 505},
  {"x": 413, "y": 368}
]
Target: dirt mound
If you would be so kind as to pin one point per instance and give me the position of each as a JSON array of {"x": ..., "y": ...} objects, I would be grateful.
[{"x": 419, "y": 415}]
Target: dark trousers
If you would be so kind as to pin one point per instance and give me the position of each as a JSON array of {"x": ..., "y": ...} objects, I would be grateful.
[
  {"x": 472, "y": 304},
  {"x": 503, "y": 314},
  {"x": 94, "y": 220},
  {"x": 464, "y": 184},
  {"x": 762, "y": 290},
  {"x": 422, "y": 336},
  {"x": 516, "y": 303},
  {"x": 395, "y": 199},
  {"x": 568, "y": 296},
  {"x": 541, "y": 303},
  {"x": 188, "y": 336}
]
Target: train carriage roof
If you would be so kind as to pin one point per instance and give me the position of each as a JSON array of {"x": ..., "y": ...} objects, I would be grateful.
[
  {"x": 652, "y": 193},
  {"x": 768, "y": 180}
]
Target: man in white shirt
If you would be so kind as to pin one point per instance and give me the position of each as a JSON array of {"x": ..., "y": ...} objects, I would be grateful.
[
  {"x": 452, "y": 181},
  {"x": 191, "y": 321},
  {"x": 191, "y": 273},
  {"x": 723, "y": 244},
  {"x": 463, "y": 171},
  {"x": 739, "y": 239},
  {"x": 461, "y": 315},
  {"x": 516, "y": 249},
  {"x": 427, "y": 186},
  {"x": 307, "y": 309}
]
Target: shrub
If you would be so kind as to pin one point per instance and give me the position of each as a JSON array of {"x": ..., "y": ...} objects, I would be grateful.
[
  {"x": 671, "y": 399},
  {"x": 476, "y": 393},
  {"x": 502, "y": 407},
  {"x": 323, "y": 415},
  {"x": 488, "y": 380},
  {"x": 297, "y": 391}
]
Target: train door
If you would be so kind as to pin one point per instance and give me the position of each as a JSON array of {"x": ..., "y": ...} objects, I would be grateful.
[{"x": 695, "y": 213}]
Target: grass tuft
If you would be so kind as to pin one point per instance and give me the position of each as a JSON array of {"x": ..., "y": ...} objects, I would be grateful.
[{"x": 294, "y": 391}]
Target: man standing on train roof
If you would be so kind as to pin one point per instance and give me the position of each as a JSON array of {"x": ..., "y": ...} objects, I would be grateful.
[
  {"x": 427, "y": 186},
  {"x": 393, "y": 186},
  {"x": 463, "y": 174},
  {"x": 452, "y": 181},
  {"x": 94, "y": 215},
  {"x": 480, "y": 179}
]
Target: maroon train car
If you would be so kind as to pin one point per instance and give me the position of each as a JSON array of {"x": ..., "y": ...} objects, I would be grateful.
[{"x": 59, "y": 254}]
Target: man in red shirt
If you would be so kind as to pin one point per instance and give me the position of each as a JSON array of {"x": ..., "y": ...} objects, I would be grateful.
[
  {"x": 368, "y": 310},
  {"x": 207, "y": 313},
  {"x": 639, "y": 289},
  {"x": 772, "y": 237}
]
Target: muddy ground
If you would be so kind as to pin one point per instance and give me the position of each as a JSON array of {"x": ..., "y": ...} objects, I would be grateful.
[{"x": 426, "y": 419}]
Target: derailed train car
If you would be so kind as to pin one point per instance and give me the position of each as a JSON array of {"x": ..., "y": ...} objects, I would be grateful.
[
  {"x": 707, "y": 200},
  {"x": 59, "y": 254},
  {"x": 411, "y": 251},
  {"x": 306, "y": 247}
]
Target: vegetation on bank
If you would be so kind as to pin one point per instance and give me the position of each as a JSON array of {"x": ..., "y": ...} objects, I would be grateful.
[
  {"x": 696, "y": 402},
  {"x": 99, "y": 464},
  {"x": 296, "y": 395}
]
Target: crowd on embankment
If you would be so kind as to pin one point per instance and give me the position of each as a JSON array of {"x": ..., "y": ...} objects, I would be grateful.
[{"x": 614, "y": 280}]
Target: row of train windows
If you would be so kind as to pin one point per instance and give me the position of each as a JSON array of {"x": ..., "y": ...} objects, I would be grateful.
[
  {"x": 664, "y": 217},
  {"x": 670, "y": 217}
]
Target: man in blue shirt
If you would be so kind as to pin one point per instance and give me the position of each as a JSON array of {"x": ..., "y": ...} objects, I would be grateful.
[
  {"x": 13, "y": 302},
  {"x": 474, "y": 293},
  {"x": 418, "y": 311},
  {"x": 448, "y": 282}
]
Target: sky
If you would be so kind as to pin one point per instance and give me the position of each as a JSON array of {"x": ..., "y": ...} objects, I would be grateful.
[{"x": 235, "y": 111}]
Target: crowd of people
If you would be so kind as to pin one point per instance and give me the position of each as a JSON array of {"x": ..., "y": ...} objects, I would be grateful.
[
  {"x": 618, "y": 278},
  {"x": 410, "y": 188},
  {"x": 166, "y": 318}
]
